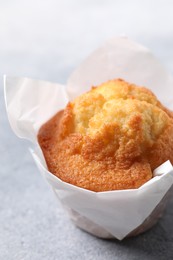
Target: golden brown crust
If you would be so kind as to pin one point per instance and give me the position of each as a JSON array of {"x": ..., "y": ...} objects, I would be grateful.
[{"x": 109, "y": 138}]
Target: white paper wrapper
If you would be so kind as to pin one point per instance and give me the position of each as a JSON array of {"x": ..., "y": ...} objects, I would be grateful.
[{"x": 30, "y": 103}]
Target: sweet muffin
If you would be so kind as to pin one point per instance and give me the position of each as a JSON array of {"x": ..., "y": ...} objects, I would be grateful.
[{"x": 110, "y": 138}]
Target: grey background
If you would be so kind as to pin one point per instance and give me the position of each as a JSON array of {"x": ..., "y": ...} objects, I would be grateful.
[{"x": 47, "y": 39}]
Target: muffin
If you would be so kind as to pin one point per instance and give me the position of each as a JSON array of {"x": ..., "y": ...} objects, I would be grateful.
[{"x": 110, "y": 138}]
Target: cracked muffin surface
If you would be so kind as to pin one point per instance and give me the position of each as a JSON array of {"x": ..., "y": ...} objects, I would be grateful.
[{"x": 110, "y": 138}]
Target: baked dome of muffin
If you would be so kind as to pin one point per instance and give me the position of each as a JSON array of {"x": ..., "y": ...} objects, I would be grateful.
[{"x": 110, "y": 138}]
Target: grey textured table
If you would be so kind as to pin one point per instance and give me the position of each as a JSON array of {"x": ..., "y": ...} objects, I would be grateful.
[{"x": 46, "y": 40}]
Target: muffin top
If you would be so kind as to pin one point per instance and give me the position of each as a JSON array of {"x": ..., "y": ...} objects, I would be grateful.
[{"x": 109, "y": 138}]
